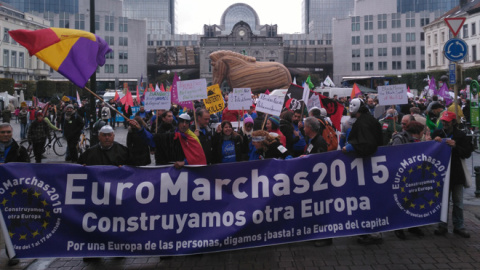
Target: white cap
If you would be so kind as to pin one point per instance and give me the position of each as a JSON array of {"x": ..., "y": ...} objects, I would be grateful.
[
  {"x": 185, "y": 116},
  {"x": 323, "y": 112},
  {"x": 313, "y": 108},
  {"x": 106, "y": 129}
]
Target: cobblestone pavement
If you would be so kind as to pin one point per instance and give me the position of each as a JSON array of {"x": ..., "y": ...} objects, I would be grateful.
[{"x": 429, "y": 252}]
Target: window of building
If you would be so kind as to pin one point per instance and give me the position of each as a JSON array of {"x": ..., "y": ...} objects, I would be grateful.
[
  {"x": 368, "y": 39},
  {"x": 396, "y": 51},
  {"x": 328, "y": 42},
  {"x": 123, "y": 41},
  {"x": 159, "y": 42},
  {"x": 424, "y": 18},
  {"x": 442, "y": 37},
  {"x": 382, "y": 51},
  {"x": 311, "y": 42},
  {"x": 368, "y": 22},
  {"x": 428, "y": 41},
  {"x": 435, "y": 58},
  {"x": 80, "y": 21},
  {"x": 150, "y": 42},
  {"x": 410, "y": 19},
  {"x": 422, "y": 36},
  {"x": 168, "y": 43},
  {"x": 465, "y": 31},
  {"x": 110, "y": 55},
  {"x": 355, "y": 66},
  {"x": 411, "y": 65},
  {"x": 382, "y": 65},
  {"x": 123, "y": 69},
  {"x": 6, "y": 36},
  {"x": 64, "y": 20},
  {"x": 429, "y": 60},
  {"x": 368, "y": 52},
  {"x": 14, "y": 59},
  {"x": 355, "y": 53},
  {"x": 382, "y": 21},
  {"x": 109, "y": 23},
  {"x": 176, "y": 43},
  {"x": 98, "y": 69},
  {"x": 122, "y": 24},
  {"x": 382, "y": 38},
  {"x": 110, "y": 40},
  {"x": 194, "y": 43},
  {"x": 355, "y": 40},
  {"x": 410, "y": 37},
  {"x": 303, "y": 42},
  {"x": 368, "y": 65},
  {"x": 411, "y": 50},
  {"x": 21, "y": 60},
  {"x": 122, "y": 55},
  {"x": 422, "y": 50},
  {"x": 474, "y": 53},
  {"x": 474, "y": 29},
  {"x": 109, "y": 68},
  {"x": 355, "y": 23},
  {"x": 422, "y": 64},
  {"x": 97, "y": 22},
  {"x": 6, "y": 58},
  {"x": 397, "y": 37},
  {"x": 396, "y": 20},
  {"x": 396, "y": 65}
]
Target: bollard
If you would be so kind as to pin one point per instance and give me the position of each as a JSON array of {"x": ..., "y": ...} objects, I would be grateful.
[{"x": 477, "y": 181}]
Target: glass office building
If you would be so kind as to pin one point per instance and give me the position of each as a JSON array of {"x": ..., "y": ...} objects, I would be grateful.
[
  {"x": 44, "y": 6},
  {"x": 160, "y": 15},
  {"x": 404, "y": 6}
]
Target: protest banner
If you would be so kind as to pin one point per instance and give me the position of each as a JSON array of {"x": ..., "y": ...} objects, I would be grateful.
[
  {"x": 157, "y": 101},
  {"x": 294, "y": 98},
  {"x": 392, "y": 94},
  {"x": 69, "y": 210},
  {"x": 270, "y": 104},
  {"x": 240, "y": 99},
  {"x": 192, "y": 90},
  {"x": 313, "y": 101},
  {"x": 214, "y": 102}
]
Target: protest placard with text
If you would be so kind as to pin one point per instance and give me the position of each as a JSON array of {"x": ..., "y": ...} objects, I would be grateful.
[
  {"x": 270, "y": 104},
  {"x": 241, "y": 99},
  {"x": 214, "y": 102},
  {"x": 192, "y": 90},
  {"x": 157, "y": 101},
  {"x": 392, "y": 94}
]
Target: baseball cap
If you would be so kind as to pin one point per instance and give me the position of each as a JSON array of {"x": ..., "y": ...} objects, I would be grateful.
[
  {"x": 106, "y": 129},
  {"x": 185, "y": 116},
  {"x": 448, "y": 116}
]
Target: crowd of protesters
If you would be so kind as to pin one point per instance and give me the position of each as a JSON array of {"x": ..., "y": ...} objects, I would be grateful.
[{"x": 187, "y": 137}]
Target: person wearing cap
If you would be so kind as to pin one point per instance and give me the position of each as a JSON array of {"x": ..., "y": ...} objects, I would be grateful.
[
  {"x": 433, "y": 116},
  {"x": 363, "y": 140},
  {"x": 249, "y": 151},
  {"x": 390, "y": 125},
  {"x": 461, "y": 149},
  {"x": 268, "y": 146},
  {"x": 181, "y": 147},
  {"x": 273, "y": 125},
  {"x": 107, "y": 151},
  {"x": 37, "y": 135},
  {"x": 72, "y": 125}
]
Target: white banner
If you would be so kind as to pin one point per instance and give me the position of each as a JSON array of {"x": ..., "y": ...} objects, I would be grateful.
[
  {"x": 392, "y": 94},
  {"x": 192, "y": 90},
  {"x": 241, "y": 99},
  {"x": 270, "y": 104},
  {"x": 158, "y": 101}
]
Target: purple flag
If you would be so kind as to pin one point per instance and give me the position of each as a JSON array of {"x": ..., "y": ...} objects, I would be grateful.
[
  {"x": 444, "y": 92},
  {"x": 183, "y": 104},
  {"x": 432, "y": 86}
]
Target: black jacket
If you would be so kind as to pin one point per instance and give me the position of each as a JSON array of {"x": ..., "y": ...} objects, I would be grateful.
[
  {"x": 117, "y": 155},
  {"x": 206, "y": 142},
  {"x": 72, "y": 128},
  {"x": 316, "y": 145},
  {"x": 366, "y": 135},
  {"x": 17, "y": 153},
  {"x": 274, "y": 150},
  {"x": 138, "y": 149},
  {"x": 217, "y": 143}
]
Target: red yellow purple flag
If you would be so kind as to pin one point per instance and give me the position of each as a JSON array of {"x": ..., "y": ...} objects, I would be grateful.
[
  {"x": 355, "y": 91},
  {"x": 73, "y": 53}
]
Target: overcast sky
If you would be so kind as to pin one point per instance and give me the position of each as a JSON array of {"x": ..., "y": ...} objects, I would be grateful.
[{"x": 193, "y": 14}]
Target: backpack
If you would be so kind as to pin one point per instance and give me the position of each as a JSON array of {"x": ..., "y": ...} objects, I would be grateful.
[
  {"x": 400, "y": 136},
  {"x": 329, "y": 135}
]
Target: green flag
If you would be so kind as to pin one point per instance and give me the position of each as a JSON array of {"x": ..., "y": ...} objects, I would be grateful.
[{"x": 309, "y": 82}]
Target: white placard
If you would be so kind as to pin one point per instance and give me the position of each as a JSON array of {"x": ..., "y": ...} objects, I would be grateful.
[
  {"x": 192, "y": 90},
  {"x": 158, "y": 101},
  {"x": 270, "y": 104},
  {"x": 392, "y": 94},
  {"x": 314, "y": 101},
  {"x": 241, "y": 99}
]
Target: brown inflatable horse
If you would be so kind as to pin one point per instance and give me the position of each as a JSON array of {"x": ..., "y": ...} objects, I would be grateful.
[{"x": 243, "y": 71}]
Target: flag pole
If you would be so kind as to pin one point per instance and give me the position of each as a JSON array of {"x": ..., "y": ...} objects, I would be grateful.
[
  {"x": 264, "y": 121},
  {"x": 106, "y": 103}
]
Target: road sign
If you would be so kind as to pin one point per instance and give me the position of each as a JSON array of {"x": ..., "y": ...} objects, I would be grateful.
[
  {"x": 455, "y": 24},
  {"x": 455, "y": 49},
  {"x": 451, "y": 73}
]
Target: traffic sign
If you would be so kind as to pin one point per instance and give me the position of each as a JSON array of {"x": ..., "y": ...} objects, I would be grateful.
[
  {"x": 455, "y": 24},
  {"x": 451, "y": 73},
  {"x": 455, "y": 49}
]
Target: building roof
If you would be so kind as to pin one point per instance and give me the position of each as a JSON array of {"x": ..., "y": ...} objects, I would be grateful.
[{"x": 470, "y": 7}]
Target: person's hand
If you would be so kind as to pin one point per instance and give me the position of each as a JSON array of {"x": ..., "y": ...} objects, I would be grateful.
[
  {"x": 197, "y": 132},
  {"x": 438, "y": 139},
  {"x": 344, "y": 149},
  {"x": 451, "y": 142},
  {"x": 296, "y": 133},
  {"x": 134, "y": 124},
  {"x": 179, "y": 164},
  {"x": 219, "y": 129},
  {"x": 300, "y": 124}
]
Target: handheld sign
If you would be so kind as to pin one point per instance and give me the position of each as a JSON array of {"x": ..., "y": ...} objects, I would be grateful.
[
  {"x": 392, "y": 94},
  {"x": 270, "y": 104},
  {"x": 240, "y": 99},
  {"x": 157, "y": 101},
  {"x": 314, "y": 101},
  {"x": 214, "y": 102},
  {"x": 192, "y": 90}
]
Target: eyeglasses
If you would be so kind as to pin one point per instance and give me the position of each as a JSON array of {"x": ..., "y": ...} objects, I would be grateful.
[{"x": 5, "y": 132}]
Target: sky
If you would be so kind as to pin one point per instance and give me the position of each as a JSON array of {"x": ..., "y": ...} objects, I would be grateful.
[{"x": 193, "y": 14}]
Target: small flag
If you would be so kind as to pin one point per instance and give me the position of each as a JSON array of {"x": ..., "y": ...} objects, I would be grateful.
[
  {"x": 116, "y": 97},
  {"x": 138, "y": 96},
  {"x": 78, "y": 100},
  {"x": 157, "y": 89},
  {"x": 161, "y": 87},
  {"x": 267, "y": 92},
  {"x": 309, "y": 82},
  {"x": 328, "y": 82},
  {"x": 355, "y": 91}
]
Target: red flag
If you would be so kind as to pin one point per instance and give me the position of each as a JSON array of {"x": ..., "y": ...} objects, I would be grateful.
[
  {"x": 355, "y": 91},
  {"x": 127, "y": 100},
  {"x": 162, "y": 88},
  {"x": 334, "y": 110},
  {"x": 116, "y": 98},
  {"x": 151, "y": 87},
  {"x": 408, "y": 89},
  {"x": 138, "y": 96},
  {"x": 267, "y": 92},
  {"x": 35, "y": 101}
]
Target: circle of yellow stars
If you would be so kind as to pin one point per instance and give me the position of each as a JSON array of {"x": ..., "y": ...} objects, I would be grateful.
[
  {"x": 438, "y": 186},
  {"x": 32, "y": 235}
]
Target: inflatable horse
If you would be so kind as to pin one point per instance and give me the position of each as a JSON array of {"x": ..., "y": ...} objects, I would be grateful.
[{"x": 243, "y": 71}]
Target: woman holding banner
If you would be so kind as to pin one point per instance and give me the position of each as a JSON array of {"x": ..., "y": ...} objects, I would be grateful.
[
  {"x": 226, "y": 144},
  {"x": 268, "y": 146}
]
